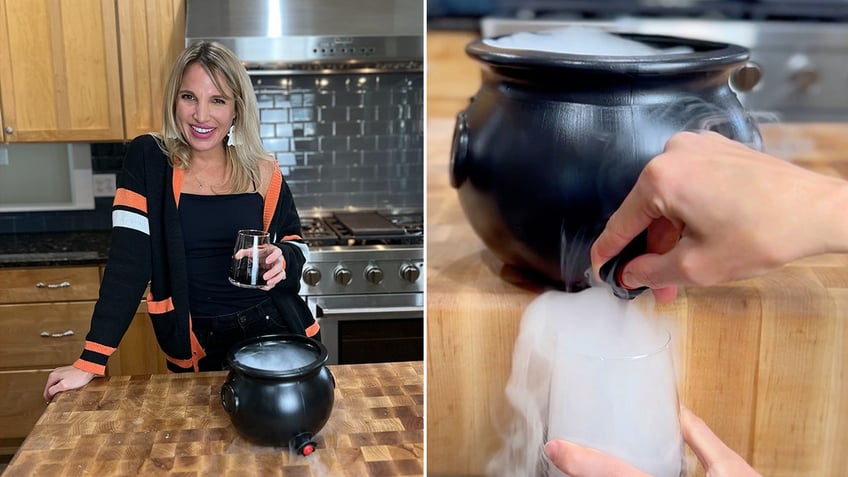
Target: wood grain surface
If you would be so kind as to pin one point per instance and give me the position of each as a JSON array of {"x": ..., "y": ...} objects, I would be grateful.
[
  {"x": 764, "y": 361},
  {"x": 174, "y": 424}
]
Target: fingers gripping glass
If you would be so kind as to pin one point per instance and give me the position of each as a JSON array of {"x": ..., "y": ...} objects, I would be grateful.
[
  {"x": 249, "y": 255},
  {"x": 624, "y": 405}
]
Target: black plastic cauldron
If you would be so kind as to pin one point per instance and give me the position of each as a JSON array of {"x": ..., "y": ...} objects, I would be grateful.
[
  {"x": 278, "y": 391},
  {"x": 551, "y": 143}
]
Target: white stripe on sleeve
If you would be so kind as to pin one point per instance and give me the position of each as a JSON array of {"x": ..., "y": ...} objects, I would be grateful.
[
  {"x": 130, "y": 220},
  {"x": 303, "y": 248}
]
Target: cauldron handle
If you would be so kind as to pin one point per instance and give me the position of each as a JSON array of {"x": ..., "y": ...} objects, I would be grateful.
[
  {"x": 745, "y": 77},
  {"x": 229, "y": 398},
  {"x": 459, "y": 151}
]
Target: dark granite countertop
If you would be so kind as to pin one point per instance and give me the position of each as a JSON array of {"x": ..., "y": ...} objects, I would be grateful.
[{"x": 54, "y": 249}]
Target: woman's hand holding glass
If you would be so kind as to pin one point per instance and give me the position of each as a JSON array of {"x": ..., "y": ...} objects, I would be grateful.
[
  {"x": 276, "y": 271},
  {"x": 257, "y": 263}
]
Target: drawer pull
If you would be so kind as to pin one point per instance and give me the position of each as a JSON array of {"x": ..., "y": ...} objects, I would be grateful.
[
  {"x": 45, "y": 334},
  {"x": 64, "y": 284}
]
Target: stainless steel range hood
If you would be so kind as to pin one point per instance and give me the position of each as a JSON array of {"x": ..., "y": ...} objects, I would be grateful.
[{"x": 308, "y": 35}]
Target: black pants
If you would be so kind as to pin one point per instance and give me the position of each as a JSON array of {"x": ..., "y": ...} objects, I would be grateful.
[{"x": 218, "y": 334}]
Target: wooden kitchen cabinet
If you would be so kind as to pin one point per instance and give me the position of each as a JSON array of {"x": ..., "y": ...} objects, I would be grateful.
[
  {"x": 151, "y": 34},
  {"x": 57, "y": 301},
  {"x": 139, "y": 352},
  {"x": 85, "y": 70},
  {"x": 59, "y": 71}
]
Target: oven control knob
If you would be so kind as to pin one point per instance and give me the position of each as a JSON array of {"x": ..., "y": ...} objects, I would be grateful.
[
  {"x": 342, "y": 275},
  {"x": 374, "y": 274},
  {"x": 410, "y": 273},
  {"x": 803, "y": 74},
  {"x": 312, "y": 276}
]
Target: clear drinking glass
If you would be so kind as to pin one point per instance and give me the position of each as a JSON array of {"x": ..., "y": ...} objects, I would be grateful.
[
  {"x": 622, "y": 404},
  {"x": 249, "y": 255}
]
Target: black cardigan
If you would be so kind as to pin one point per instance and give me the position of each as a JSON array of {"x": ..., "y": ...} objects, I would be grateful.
[{"x": 147, "y": 247}]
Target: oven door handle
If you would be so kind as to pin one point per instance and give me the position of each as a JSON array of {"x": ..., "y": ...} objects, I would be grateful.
[{"x": 382, "y": 310}]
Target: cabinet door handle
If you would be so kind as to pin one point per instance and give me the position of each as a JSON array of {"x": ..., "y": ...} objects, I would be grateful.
[
  {"x": 64, "y": 284},
  {"x": 47, "y": 334}
]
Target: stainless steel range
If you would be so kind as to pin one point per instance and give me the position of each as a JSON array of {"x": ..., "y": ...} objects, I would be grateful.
[
  {"x": 799, "y": 46},
  {"x": 365, "y": 281}
]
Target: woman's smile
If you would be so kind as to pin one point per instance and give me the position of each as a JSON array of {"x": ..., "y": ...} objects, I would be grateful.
[{"x": 202, "y": 132}]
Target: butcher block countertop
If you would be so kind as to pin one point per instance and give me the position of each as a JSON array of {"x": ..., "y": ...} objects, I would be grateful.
[
  {"x": 764, "y": 361},
  {"x": 174, "y": 424}
]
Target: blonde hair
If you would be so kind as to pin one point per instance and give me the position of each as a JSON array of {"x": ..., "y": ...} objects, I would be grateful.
[{"x": 220, "y": 64}]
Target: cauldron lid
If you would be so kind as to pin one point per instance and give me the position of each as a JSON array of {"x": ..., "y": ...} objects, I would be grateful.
[
  {"x": 277, "y": 356},
  {"x": 706, "y": 56}
]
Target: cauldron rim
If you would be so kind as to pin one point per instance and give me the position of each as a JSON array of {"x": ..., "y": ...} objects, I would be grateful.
[
  {"x": 707, "y": 55},
  {"x": 315, "y": 365}
]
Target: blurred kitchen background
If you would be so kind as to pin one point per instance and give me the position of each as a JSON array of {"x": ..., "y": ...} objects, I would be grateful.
[{"x": 801, "y": 47}]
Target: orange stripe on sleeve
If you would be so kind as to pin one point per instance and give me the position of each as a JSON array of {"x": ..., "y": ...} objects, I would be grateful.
[
  {"x": 158, "y": 307},
  {"x": 99, "y": 348},
  {"x": 92, "y": 368},
  {"x": 131, "y": 199},
  {"x": 292, "y": 237},
  {"x": 313, "y": 329}
]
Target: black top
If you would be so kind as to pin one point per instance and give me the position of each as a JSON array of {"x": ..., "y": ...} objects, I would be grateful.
[
  {"x": 147, "y": 252},
  {"x": 210, "y": 224}
]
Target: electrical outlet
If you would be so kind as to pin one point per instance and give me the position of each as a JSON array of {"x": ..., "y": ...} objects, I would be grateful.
[{"x": 105, "y": 185}]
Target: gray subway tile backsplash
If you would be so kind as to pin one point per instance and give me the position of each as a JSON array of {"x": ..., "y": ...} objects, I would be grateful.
[
  {"x": 361, "y": 125},
  {"x": 275, "y": 115},
  {"x": 342, "y": 141}
]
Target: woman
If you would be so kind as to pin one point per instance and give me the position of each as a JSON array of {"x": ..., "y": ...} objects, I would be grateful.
[{"x": 183, "y": 196}]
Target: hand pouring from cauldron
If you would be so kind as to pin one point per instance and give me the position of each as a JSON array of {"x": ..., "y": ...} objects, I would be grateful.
[{"x": 611, "y": 271}]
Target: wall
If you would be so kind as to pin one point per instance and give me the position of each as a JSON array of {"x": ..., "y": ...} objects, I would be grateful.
[
  {"x": 341, "y": 141},
  {"x": 347, "y": 140}
]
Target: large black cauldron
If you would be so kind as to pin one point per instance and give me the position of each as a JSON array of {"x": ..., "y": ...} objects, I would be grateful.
[
  {"x": 278, "y": 391},
  {"x": 552, "y": 143}
]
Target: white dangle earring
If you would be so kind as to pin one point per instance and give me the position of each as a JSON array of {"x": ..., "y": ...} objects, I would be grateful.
[
  {"x": 173, "y": 134},
  {"x": 231, "y": 141}
]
